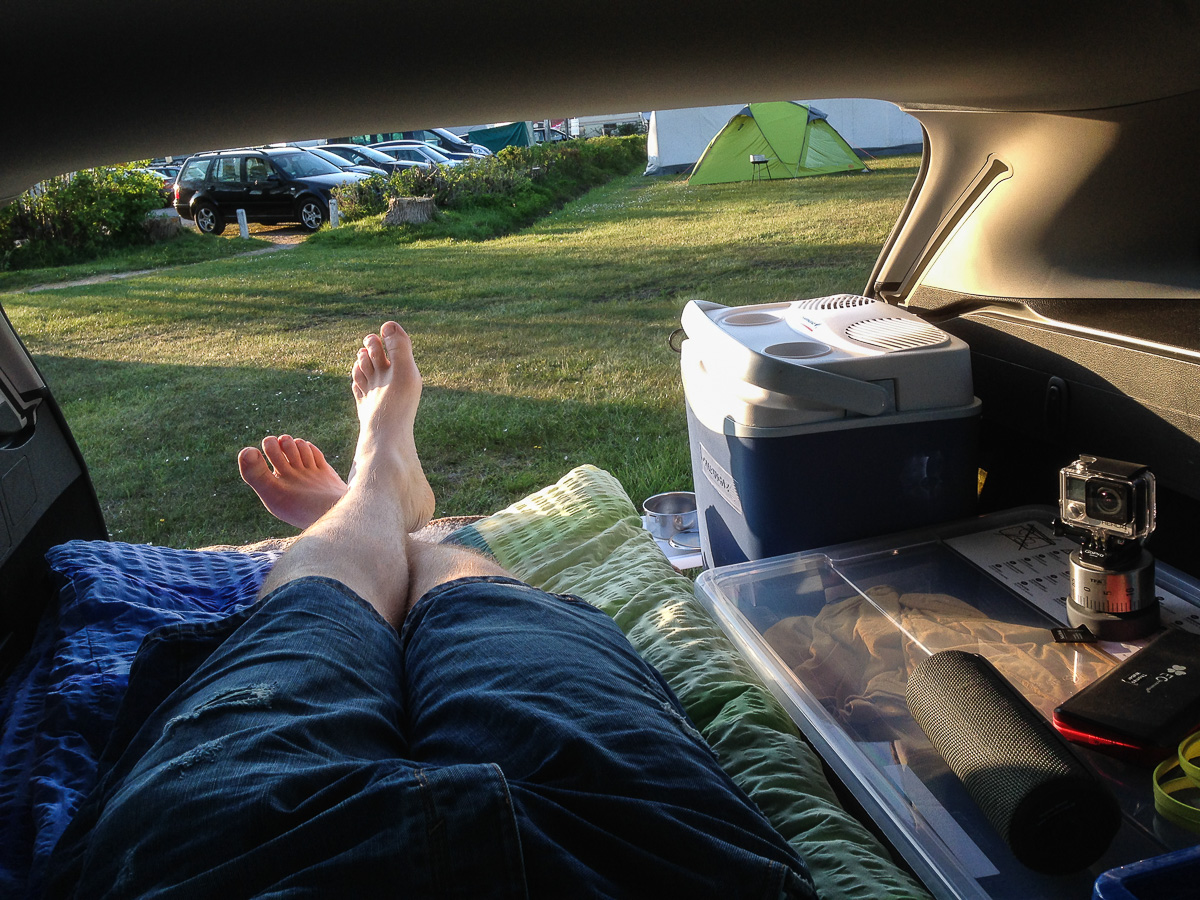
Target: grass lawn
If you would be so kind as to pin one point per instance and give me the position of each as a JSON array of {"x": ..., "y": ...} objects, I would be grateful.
[
  {"x": 539, "y": 351},
  {"x": 189, "y": 247}
]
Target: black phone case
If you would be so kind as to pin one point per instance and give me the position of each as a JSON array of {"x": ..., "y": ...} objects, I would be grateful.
[{"x": 1150, "y": 701}]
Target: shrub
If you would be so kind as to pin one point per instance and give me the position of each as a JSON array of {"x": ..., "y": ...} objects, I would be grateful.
[
  {"x": 360, "y": 199},
  {"x": 75, "y": 217},
  {"x": 524, "y": 182}
]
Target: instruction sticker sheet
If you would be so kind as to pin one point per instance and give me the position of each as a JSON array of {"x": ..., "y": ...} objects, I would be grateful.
[{"x": 1033, "y": 562}]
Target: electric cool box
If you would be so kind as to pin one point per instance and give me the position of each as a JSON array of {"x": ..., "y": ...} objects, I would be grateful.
[{"x": 815, "y": 422}]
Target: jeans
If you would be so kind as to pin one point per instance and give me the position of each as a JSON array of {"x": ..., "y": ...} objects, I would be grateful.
[{"x": 506, "y": 743}]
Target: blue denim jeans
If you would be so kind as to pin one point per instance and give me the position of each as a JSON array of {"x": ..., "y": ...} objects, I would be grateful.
[{"x": 506, "y": 743}]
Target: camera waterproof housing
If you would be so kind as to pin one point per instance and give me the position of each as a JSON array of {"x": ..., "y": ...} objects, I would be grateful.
[
  {"x": 1108, "y": 497},
  {"x": 1108, "y": 505}
]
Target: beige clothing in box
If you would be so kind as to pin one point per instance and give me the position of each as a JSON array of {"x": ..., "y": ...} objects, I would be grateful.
[{"x": 855, "y": 655}]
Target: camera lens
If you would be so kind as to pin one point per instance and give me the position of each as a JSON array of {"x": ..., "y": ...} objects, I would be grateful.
[{"x": 1108, "y": 501}]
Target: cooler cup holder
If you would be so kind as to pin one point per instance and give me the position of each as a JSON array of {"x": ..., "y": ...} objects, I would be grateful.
[
  {"x": 751, "y": 318},
  {"x": 798, "y": 350}
]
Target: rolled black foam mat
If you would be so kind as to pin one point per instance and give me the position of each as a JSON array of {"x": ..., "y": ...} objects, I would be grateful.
[{"x": 1051, "y": 811}]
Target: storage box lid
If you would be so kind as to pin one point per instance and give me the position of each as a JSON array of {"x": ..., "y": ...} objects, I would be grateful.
[{"x": 835, "y": 633}]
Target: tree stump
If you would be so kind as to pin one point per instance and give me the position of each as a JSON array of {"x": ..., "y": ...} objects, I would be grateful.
[
  {"x": 409, "y": 211},
  {"x": 162, "y": 225}
]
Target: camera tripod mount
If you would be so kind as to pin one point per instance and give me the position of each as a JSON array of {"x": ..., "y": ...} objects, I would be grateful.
[{"x": 1114, "y": 599}]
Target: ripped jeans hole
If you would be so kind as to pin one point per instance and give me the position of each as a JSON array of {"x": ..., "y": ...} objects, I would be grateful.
[
  {"x": 202, "y": 753},
  {"x": 684, "y": 723},
  {"x": 250, "y": 696}
]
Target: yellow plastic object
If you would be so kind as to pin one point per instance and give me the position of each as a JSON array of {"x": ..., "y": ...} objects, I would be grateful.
[{"x": 1179, "y": 778}]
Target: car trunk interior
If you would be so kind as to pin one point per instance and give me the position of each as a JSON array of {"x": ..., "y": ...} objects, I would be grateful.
[
  {"x": 1054, "y": 224},
  {"x": 1061, "y": 247},
  {"x": 46, "y": 495},
  {"x": 1064, "y": 249}
]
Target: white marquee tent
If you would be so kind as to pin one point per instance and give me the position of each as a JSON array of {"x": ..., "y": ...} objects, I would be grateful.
[{"x": 677, "y": 137}]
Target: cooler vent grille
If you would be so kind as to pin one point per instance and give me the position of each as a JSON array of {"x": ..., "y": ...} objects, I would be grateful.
[
  {"x": 895, "y": 334},
  {"x": 837, "y": 301}
]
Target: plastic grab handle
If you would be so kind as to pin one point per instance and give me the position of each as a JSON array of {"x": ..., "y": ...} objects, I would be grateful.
[{"x": 783, "y": 376}]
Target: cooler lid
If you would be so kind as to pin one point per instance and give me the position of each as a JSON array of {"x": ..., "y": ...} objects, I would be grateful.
[{"x": 843, "y": 352}]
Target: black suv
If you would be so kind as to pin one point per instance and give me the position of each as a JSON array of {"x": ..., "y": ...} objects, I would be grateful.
[{"x": 272, "y": 185}]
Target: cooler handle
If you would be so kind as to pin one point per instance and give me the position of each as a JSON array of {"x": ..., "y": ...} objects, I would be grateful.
[{"x": 863, "y": 397}]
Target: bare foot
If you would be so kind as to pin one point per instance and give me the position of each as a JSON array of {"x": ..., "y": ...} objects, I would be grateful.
[
  {"x": 387, "y": 388},
  {"x": 299, "y": 486}
]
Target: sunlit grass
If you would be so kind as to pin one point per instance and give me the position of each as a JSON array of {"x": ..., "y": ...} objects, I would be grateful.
[
  {"x": 539, "y": 351},
  {"x": 188, "y": 247}
]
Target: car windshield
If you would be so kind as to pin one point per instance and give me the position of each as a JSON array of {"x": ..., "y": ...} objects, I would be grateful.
[
  {"x": 451, "y": 138},
  {"x": 435, "y": 154},
  {"x": 304, "y": 164},
  {"x": 330, "y": 157},
  {"x": 374, "y": 155}
]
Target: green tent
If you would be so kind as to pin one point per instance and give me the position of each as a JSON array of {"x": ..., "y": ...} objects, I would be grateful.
[
  {"x": 774, "y": 140},
  {"x": 514, "y": 134}
]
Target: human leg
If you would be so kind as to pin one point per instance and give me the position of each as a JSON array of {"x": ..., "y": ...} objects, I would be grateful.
[
  {"x": 431, "y": 565},
  {"x": 279, "y": 766},
  {"x": 614, "y": 789},
  {"x": 362, "y": 541},
  {"x": 278, "y": 762}
]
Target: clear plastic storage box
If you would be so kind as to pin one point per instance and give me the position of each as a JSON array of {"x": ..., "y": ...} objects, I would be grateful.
[{"x": 834, "y": 633}]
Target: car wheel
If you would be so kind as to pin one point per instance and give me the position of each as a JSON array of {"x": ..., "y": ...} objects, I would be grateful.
[
  {"x": 312, "y": 213},
  {"x": 209, "y": 219}
]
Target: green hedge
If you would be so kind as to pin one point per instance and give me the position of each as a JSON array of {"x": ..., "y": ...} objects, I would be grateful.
[
  {"x": 74, "y": 218},
  {"x": 507, "y": 190}
]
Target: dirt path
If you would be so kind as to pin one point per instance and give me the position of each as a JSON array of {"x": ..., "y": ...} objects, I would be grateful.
[{"x": 282, "y": 236}]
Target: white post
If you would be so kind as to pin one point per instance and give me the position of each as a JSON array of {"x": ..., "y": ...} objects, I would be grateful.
[
  {"x": 242, "y": 226},
  {"x": 334, "y": 221}
]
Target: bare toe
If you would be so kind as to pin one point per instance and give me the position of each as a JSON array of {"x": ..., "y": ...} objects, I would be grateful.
[
  {"x": 394, "y": 338},
  {"x": 376, "y": 352},
  {"x": 288, "y": 445},
  {"x": 273, "y": 450},
  {"x": 361, "y": 373},
  {"x": 252, "y": 467}
]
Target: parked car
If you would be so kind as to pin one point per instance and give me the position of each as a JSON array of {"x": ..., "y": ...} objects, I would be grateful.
[
  {"x": 369, "y": 156},
  {"x": 344, "y": 164},
  {"x": 272, "y": 185},
  {"x": 556, "y": 134},
  {"x": 453, "y": 145},
  {"x": 415, "y": 151},
  {"x": 167, "y": 186}
]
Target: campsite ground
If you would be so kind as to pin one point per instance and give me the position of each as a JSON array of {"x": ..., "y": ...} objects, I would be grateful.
[{"x": 540, "y": 351}]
